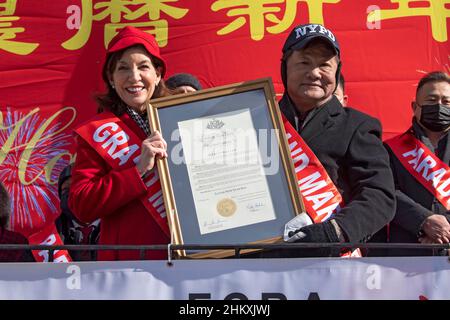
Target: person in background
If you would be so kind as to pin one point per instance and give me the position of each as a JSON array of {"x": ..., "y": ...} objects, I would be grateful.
[
  {"x": 420, "y": 160},
  {"x": 347, "y": 143},
  {"x": 114, "y": 177},
  {"x": 340, "y": 91},
  {"x": 71, "y": 229},
  {"x": 8, "y": 236},
  {"x": 183, "y": 83}
]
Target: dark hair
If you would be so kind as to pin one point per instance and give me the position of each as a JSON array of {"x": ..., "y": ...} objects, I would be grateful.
[
  {"x": 435, "y": 76},
  {"x": 342, "y": 82},
  {"x": 5, "y": 207},
  {"x": 110, "y": 100},
  {"x": 65, "y": 174}
]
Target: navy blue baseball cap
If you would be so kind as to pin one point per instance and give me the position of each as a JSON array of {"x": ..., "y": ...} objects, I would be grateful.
[
  {"x": 303, "y": 34},
  {"x": 299, "y": 38}
]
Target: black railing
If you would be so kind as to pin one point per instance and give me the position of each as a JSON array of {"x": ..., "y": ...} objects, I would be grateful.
[{"x": 437, "y": 249}]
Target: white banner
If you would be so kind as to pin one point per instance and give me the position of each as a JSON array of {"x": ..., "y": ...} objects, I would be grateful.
[{"x": 411, "y": 278}]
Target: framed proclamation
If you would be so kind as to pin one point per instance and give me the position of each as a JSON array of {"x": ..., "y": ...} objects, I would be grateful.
[{"x": 228, "y": 178}]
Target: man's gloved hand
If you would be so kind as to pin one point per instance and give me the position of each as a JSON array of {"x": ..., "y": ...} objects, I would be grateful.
[
  {"x": 318, "y": 232},
  {"x": 299, "y": 221}
]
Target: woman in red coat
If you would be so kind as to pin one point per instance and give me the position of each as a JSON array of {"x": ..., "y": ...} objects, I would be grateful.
[{"x": 114, "y": 177}]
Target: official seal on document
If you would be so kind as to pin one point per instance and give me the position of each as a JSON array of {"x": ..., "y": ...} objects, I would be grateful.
[{"x": 226, "y": 207}]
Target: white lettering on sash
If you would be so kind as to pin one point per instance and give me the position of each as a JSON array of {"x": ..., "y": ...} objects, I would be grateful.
[
  {"x": 440, "y": 189},
  {"x": 419, "y": 164},
  {"x": 412, "y": 152},
  {"x": 436, "y": 176},
  {"x": 304, "y": 162},
  {"x": 116, "y": 140},
  {"x": 308, "y": 186},
  {"x": 301, "y": 161},
  {"x": 415, "y": 161},
  {"x": 125, "y": 153},
  {"x": 153, "y": 178},
  {"x": 156, "y": 199},
  {"x": 320, "y": 199},
  {"x": 296, "y": 151},
  {"x": 292, "y": 145},
  {"x": 113, "y": 141},
  {"x": 312, "y": 183},
  {"x": 100, "y": 135},
  {"x": 157, "y": 202},
  {"x": 49, "y": 241},
  {"x": 425, "y": 167},
  {"x": 426, "y": 164},
  {"x": 328, "y": 211}
]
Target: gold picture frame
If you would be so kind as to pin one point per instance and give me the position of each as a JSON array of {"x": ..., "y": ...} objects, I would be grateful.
[{"x": 225, "y": 201}]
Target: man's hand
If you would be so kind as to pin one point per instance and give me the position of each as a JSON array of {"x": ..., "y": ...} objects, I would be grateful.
[
  {"x": 318, "y": 232},
  {"x": 295, "y": 224},
  {"x": 436, "y": 229},
  {"x": 427, "y": 240}
]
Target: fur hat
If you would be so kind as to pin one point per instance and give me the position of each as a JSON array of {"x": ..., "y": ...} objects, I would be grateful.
[{"x": 183, "y": 79}]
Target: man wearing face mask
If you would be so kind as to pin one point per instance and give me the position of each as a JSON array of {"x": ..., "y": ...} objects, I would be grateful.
[{"x": 420, "y": 160}]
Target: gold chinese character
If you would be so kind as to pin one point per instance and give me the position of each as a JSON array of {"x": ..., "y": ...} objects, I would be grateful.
[
  {"x": 315, "y": 11},
  {"x": 258, "y": 11},
  {"x": 8, "y": 32},
  {"x": 436, "y": 10},
  {"x": 119, "y": 11},
  {"x": 254, "y": 9}
]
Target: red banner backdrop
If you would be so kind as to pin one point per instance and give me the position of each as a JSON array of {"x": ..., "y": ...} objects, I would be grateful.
[{"x": 51, "y": 54}]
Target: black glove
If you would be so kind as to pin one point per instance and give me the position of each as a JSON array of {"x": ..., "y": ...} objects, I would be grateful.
[{"x": 318, "y": 232}]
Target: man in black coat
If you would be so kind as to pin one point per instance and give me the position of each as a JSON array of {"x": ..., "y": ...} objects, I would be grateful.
[
  {"x": 347, "y": 142},
  {"x": 421, "y": 217}
]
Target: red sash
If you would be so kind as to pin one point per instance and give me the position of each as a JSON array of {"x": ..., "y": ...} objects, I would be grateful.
[
  {"x": 423, "y": 165},
  {"x": 320, "y": 196},
  {"x": 48, "y": 236},
  {"x": 120, "y": 147}
]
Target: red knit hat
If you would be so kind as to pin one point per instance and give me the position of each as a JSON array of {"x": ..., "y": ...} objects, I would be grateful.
[{"x": 130, "y": 36}]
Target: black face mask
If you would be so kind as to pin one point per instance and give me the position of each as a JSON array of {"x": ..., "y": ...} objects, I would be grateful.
[{"x": 435, "y": 117}]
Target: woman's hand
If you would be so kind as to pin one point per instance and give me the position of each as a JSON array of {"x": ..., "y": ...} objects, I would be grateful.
[{"x": 154, "y": 147}]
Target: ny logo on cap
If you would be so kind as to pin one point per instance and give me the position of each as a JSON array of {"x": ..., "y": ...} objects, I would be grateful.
[{"x": 313, "y": 28}]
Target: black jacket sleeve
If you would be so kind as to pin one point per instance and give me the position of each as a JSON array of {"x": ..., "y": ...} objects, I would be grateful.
[
  {"x": 372, "y": 200},
  {"x": 410, "y": 214}
]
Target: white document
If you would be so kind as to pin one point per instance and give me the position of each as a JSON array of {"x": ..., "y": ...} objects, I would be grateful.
[{"x": 225, "y": 171}]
